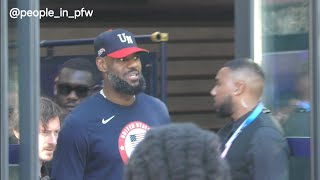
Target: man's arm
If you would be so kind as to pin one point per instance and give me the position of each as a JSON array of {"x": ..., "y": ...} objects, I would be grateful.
[
  {"x": 160, "y": 110},
  {"x": 270, "y": 155},
  {"x": 71, "y": 153},
  {"x": 165, "y": 113}
]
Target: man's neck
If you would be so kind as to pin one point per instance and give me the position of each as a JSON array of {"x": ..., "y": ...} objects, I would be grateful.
[
  {"x": 242, "y": 109},
  {"x": 117, "y": 98}
]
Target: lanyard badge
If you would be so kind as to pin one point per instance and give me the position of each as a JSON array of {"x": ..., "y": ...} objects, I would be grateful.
[{"x": 255, "y": 113}]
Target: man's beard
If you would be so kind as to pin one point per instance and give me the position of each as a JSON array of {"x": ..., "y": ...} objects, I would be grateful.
[
  {"x": 124, "y": 87},
  {"x": 225, "y": 110}
]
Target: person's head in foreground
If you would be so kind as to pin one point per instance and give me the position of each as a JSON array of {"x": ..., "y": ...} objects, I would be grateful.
[
  {"x": 49, "y": 127},
  {"x": 177, "y": 152}
]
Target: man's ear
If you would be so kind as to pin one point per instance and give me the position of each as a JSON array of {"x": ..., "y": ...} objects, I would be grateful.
[
  {"x": 239, "y": 87},
  {"x": 101, "y": 64}
]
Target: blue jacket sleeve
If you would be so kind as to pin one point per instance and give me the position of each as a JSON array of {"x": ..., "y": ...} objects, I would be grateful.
[{"x": 71, "y": 152}]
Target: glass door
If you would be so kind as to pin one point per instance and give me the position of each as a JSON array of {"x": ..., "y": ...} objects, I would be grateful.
[{"x": 281, "y": 28}]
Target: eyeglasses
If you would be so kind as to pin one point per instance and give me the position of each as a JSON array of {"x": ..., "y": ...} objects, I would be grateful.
[{"x": 80, "y": 90}]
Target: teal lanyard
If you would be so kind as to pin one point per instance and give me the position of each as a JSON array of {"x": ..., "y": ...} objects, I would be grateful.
[{"x": 253, "y": 116}]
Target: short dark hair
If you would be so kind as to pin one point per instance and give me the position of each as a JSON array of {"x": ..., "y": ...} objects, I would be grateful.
[
  {"x": 48, "y": 110},
  {"x": 245, "y": 63},
  {"x": 178, "y": 151},
  {"x": 83, "y": 64}
]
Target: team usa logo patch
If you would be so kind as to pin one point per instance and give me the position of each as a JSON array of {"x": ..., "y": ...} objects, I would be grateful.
[
  {"x": 129, "y": 138},
  {"x": 101, "y": 51}
]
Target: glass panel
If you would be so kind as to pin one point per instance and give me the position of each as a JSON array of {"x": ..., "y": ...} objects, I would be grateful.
[{"x": 285, "y": 60}]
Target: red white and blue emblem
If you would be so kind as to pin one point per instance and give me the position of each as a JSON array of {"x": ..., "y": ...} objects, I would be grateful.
[
  {"x": 102, "y": 50},
  {"x": 129, "y": 138}
]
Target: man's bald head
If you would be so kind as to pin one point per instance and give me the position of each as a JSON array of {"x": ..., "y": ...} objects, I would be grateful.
[{"x": 247, "y": 71}]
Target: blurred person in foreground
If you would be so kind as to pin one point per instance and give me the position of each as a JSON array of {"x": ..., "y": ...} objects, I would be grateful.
[{"x": 178, "y": 152}]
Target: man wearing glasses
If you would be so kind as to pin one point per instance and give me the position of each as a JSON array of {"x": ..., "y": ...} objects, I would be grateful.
[{"x": 77, "y": 79}]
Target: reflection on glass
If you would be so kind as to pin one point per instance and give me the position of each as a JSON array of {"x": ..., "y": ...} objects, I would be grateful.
[
  {"x": 287, "y": 78},
  {"x": 286, "y": 65},
  {"x": 288, "y": 95}
]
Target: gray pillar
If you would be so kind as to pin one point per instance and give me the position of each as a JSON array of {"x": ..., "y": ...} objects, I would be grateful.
[
  {"x": 28, "y": 45},
  {"x": 4, "y": 90},
  {"x": 163, "y": 71},
  {"x": 314, "y": 7},
  {"x": 243, "y": 28}
]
